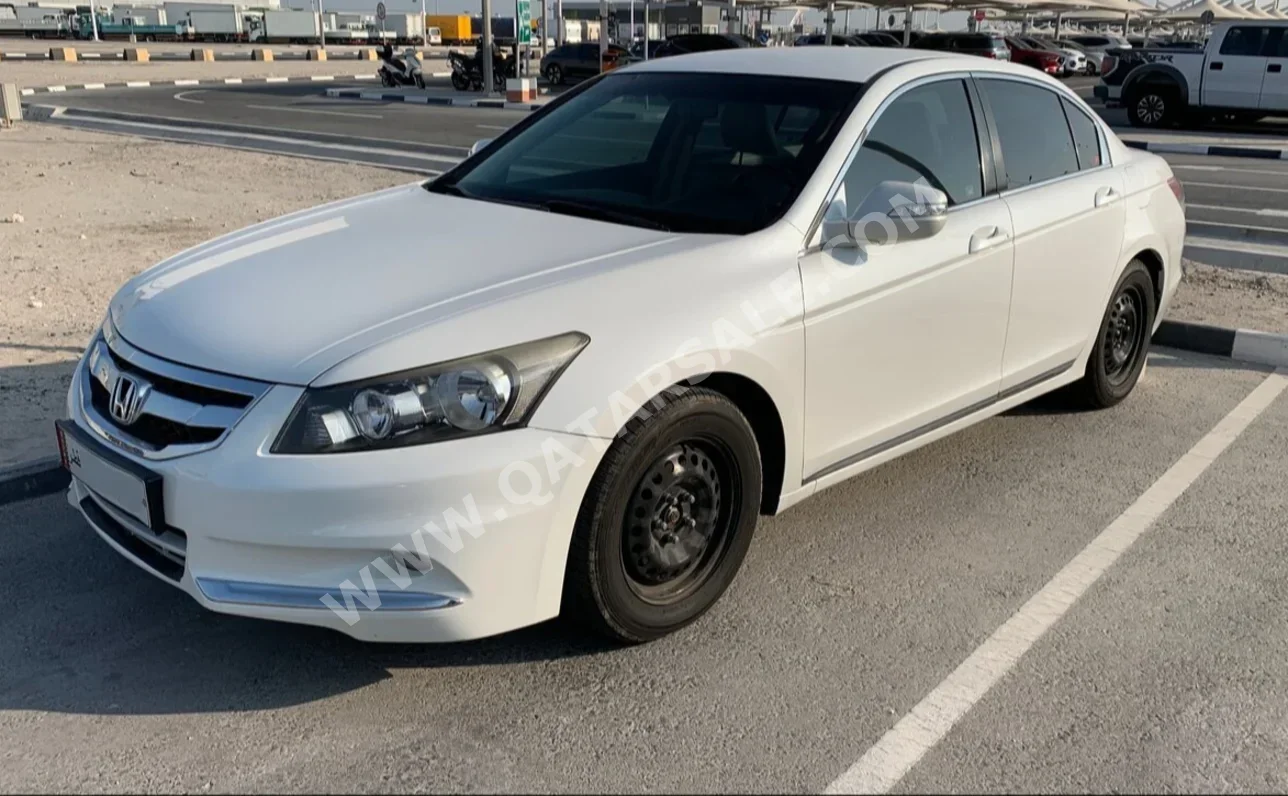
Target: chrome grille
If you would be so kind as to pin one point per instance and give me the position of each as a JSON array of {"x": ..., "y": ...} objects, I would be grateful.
[{"x": 158, "y": 409}]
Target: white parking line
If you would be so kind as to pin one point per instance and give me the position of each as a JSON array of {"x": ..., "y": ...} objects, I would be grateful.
[
  {"x": 320, "y": 113},
  {"x": 182, "y": 96},
  {"x": 886, "y": 763},
  {"x": 1189, "y": 167},
  {"x": 1239, "y": 187},
  {"x": 492, "y": 126},
  {"x": 1260, "y": 211}
]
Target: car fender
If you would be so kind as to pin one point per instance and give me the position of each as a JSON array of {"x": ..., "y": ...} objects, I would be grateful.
[{"x": 1158, "y": 71}]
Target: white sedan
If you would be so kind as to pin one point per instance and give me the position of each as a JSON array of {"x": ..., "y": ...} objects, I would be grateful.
[{"x": 569, "y": 374}]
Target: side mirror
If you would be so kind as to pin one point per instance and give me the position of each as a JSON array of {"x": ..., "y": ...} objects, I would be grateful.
[
  {"x": 479, "y": 145},
  {"x": 892, "y": 212}
]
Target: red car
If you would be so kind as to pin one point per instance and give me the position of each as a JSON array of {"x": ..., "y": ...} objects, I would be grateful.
[{"x": 1041, "y": 60}]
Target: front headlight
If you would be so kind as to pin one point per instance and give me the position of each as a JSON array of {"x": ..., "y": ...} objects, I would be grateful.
[{"x": 473, "y": 395}]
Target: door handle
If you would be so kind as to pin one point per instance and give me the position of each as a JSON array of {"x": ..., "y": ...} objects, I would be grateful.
[
  {"x": 1106, "y": 195},
  {"x": 1217, "y": 66},
  {"x": 1275, "y": 68},
  {"x": 987, "y": 238}
]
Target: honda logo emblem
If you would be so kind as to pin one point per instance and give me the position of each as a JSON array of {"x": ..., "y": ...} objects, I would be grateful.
[{"x": 128, "y": 396}]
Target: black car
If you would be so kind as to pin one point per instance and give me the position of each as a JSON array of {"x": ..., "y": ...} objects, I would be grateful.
[
  {"x": 879, "y": 38},
  {"x": 838, "y": 40},
  {"x": 702, "y": 42},
  {"x": 576, "y": 61},
  {"x": 987, "y": 45}
]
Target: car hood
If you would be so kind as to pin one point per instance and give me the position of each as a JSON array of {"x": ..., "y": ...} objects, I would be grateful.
[{"x": 288, "y": 299}]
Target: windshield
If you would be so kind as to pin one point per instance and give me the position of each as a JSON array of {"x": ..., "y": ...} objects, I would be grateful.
[{"x": 698, "y": 152}]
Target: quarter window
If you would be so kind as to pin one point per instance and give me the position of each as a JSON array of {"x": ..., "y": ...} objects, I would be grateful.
[
  {"x": 927, "y": 134},
  {"x": 1086, "y": 138},
  {"x": 1035, "y": 138},
  {"x": 1244, "y": 40}
]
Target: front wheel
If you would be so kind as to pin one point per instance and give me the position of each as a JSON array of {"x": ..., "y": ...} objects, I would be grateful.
[
  {"x": 1122, "y": 344},
  {"x": 1152, "y": 106},
  {"x": 555, "y": 75},
  {"x": 667, "y": 519},
  {"x": 386, "y": 79},
  {"x": 420, "y": 81},
  {"x": 459, "y": 81}
]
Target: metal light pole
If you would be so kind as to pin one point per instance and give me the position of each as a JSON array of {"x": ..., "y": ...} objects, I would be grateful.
[
  {"x": 827, "y": 21},
  {"x": 631, "y": 40},
  {"x": 321, "y": 27},
  {"x": 487, "y": 47},
  {"x": 93, "y": 20},
  {"x": 559, "y": 23},
  {"x": 645, "y": 30}
]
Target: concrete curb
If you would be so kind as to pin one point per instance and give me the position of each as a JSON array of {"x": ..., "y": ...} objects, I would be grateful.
[
  {"x": 32, "y": 479},
  {"x": 455, "y": 102},
  {"x": 227, "y": 81},
  {"x": 46, "y": 476},
  {"x": 1216, "y": 150}
]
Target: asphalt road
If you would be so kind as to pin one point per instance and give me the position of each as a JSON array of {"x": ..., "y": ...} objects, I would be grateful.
[{"x": 1167, "y": 675}]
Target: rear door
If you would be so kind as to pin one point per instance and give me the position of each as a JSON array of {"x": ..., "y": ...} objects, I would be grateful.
[
  {"x": 1066, "y": 208},
  {"x": 1232, "y": 77},
  {"x": 1274, "y": 86}
]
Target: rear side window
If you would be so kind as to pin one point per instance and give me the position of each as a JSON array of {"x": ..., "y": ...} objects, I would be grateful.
[
  {"x": 926, "y": 134},
  {"x": 1244, "y": 40},
  {"x": 1277, "y": 44},
  {"x": 933, "y": 42},
  {"x": 1086, "y": 139},
  {"x": 1035, "y": 138}
]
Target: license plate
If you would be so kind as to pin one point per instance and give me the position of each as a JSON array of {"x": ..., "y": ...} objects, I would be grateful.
[{"x": 129, "y": 487}]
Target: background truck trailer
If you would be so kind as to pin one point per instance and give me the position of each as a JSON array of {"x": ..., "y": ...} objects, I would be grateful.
[
  {"x": 223, "y": 24},
  {"x": 455, "y": 29},
  {"x": 290, "y": 27}
]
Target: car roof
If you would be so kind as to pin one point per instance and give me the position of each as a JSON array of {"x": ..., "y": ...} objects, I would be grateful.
[{"x": 853, "y": 64}]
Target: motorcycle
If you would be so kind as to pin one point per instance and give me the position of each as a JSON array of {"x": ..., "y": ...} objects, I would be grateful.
[
  {"x": 467, "y": 71},
  {"x": 394, "y": 73}
]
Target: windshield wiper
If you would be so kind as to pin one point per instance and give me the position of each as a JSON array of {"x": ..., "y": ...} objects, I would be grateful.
[
  {"x": 585, "y": 210},
  {"x": 448, "y": 189}
]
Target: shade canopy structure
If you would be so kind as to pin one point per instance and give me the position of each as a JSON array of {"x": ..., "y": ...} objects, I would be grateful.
[
  {"x": 1195, "y": 12},
  {"x": 1256, "y": 13}
]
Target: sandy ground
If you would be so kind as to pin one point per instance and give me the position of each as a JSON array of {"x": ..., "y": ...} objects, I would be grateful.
[
  {"x": 96, "y": 210},
  {"x": 76, "y": 246},
  {"x": 39, "y": 73}
]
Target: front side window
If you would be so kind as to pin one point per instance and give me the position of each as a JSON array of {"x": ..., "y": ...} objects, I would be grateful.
[
  {"x": 1244, "y": 40},
  {"x": 1035, "y": 138},
  {"x": 926, "y": 134},
  {"x": 707, "y": 152}
]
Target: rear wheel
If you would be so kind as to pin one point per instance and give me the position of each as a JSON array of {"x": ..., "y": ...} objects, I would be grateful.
[
  {"x": 554, "y": 74},
  {"x": 459, "y": 81},
  {"x": 667, "y": 519},
  {"x": 1122, "y": 344},
  {"x": 1153, "y": 106}
]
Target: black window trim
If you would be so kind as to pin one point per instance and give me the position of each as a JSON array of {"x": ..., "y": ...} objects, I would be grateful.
[
  {"x": 987, "y": 143},
  {"x": 1004, "y": 188}
]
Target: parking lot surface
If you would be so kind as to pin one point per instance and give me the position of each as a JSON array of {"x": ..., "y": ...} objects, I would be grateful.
[{"x": 851, "y": 608}]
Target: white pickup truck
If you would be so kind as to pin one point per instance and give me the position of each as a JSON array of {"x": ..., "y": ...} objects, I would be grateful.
[{"x": 1241, "y": 74}]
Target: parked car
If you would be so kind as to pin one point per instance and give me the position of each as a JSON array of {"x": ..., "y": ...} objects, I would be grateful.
[
  {"x": 1094, "y": 42},
  {"x": 702, "y": 42},
  {"x": 1093, "y": 58},
  {"x": 1073, "y": 62},
  {"x": 838, "y": 40},
  {"x": 1241, "y": 75},
  {"x": 879, "y": 38},
  {"x": 750, "y": 288},
  {"x": 637, "y": 48},
  {"x": 1042, "y": 60},
  {"x": 578, "y": 61},
  {"x": 986, "y": 45}
]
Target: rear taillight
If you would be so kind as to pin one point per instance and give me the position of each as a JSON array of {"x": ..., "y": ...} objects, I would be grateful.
[
  {"x": 1107, "y": 64},
  {"x": 990, "y": 54},
  {"x": 1177, "y": 189}
]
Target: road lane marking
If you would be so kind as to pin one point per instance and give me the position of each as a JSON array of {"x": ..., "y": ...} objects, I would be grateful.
[
  {"x": 1219, "y": 168},
  {"x": 323, "y": 113},
  {"x": 1260, "y": 211},
  {"x": 492, "y": 126},
  {"x": 1228, "y": 186},
  {"x": 182, "y": 96},
  {"x": 885, "y": 764}
]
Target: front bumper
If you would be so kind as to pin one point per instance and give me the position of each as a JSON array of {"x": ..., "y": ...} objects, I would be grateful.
[{"x": 488, "y": 519}]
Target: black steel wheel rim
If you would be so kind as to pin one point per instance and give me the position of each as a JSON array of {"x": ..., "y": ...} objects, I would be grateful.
[
  {"x": 1124, "y": 334},
  {"x": 679, "y": 520}
]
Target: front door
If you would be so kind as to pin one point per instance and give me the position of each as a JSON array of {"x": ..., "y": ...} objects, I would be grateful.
[
  {"x": 901, "y": 337},
  {"x": 1232, "y": 78}
]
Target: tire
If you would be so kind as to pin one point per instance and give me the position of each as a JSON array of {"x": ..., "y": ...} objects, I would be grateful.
[
  {"x": 1122, "y": 342},
  {"x": 386, "y": 79},
  {"x": 555, "y": 75},
  {"x": 420, "y": 81},
  {"x": 1153, "y": 106},
  {"x": 689, "y": 469},
  {"x": 459, "y": 81}
]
